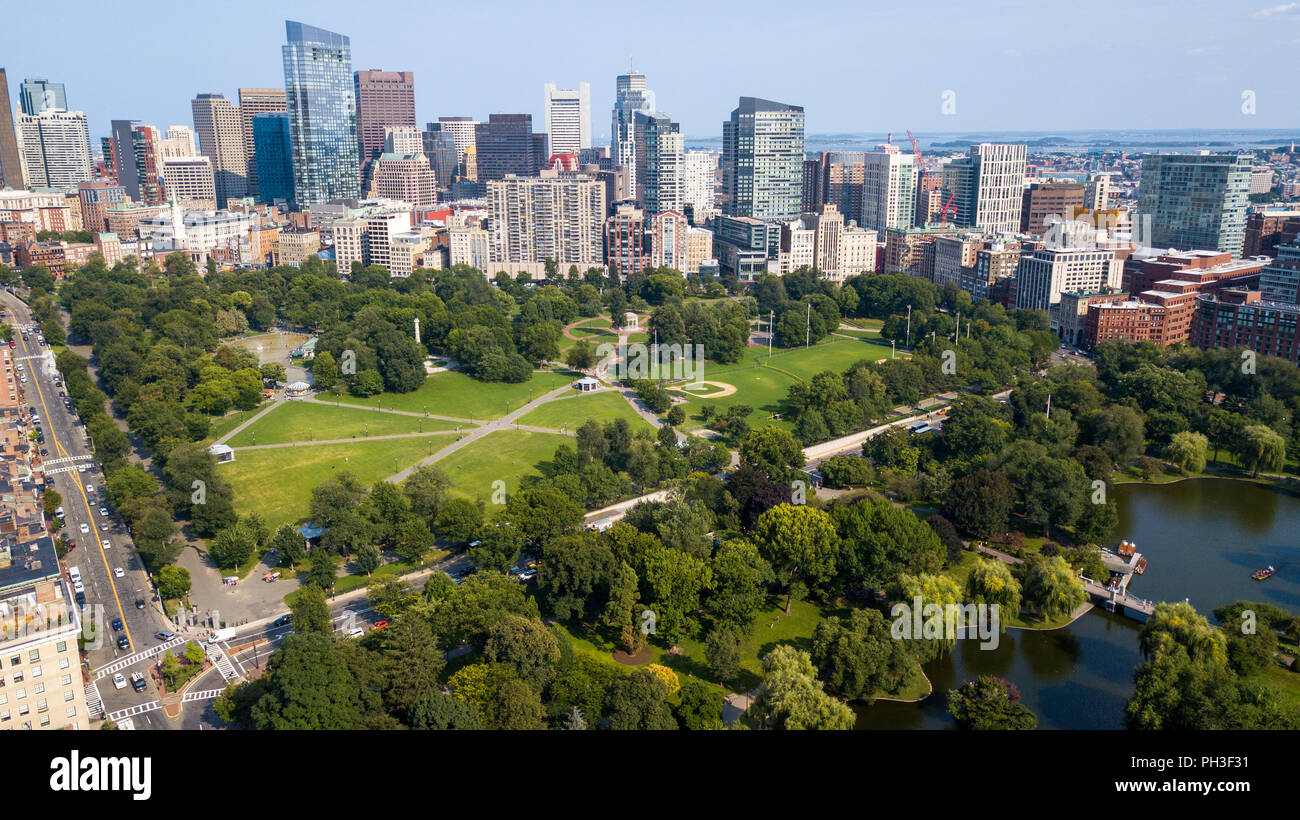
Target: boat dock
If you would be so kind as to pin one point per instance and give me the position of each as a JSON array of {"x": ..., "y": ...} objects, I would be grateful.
[{"x": 1114, "y": 594}]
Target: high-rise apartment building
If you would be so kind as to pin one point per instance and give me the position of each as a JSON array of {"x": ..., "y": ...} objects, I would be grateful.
[
  {"x": 988, "y": 186},
  {"x": 625, "y": 245},
  {"x": 506, "y": 144},
  {"x": 568, "y": 118},
  {"x": 699, "y": 181},
  {"x": 1279, "y": 281},
  {"x": 630, "y": 96},
  {"x": 11, "y": 161},
  {"x": 554, "y": 215},
  {"x": 274, "y": 156},
  {"x": 321, "y": 94},
  {"x": 888, "y": 188},
  {"x": 660, "y": 156},
  {"x": 254, "y": 102},
  {"x": 191, "y": 182},
  {"x": 385, "y": 99},
  {"x": 835, "y": 178},
  {"x": 1195, "y": 201},
  {"x": 762, "y": 160},
  {"x": 37, "y": 95},
  {"x": 221, "y": 139},
  {"x": 1045, "y": 274},
  {"x": 96, "y": 199},
  {"x": 55, "y": 148},
  {"x": 670, "y": 241}
]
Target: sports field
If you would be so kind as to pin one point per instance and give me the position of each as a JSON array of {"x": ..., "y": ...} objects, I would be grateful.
[
  {"x": 312, "y": 421},
  {"x": 572, "y": 412},
  {"x": 457, "y": 395}
]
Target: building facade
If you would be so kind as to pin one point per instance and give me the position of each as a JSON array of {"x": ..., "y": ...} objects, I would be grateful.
[
  {"x": 762, "y": 160},
  {"x": 1195, "y": 200},
  {"x": 55, "y": 148},
  {"x": 553, "y": 216},
  {"x": 568, "y": 118},
  {"x": 221, "y": 139},
  {"x": 1244, "y": 319},
  {"x": 385, "y": 99},
  {"x": 254, "y": 102},
  {"x": 888, "y": 197},
  {"x": 273, "y": 155},
  {"x": 11, "y": 161},
  {"x": 660, "y": 157},
  {"x": 190, "y": 182},
  {"x": 631, "y": 96},
  {"x": 506, "y": 145},
  {"x": 321, "y": 101}
]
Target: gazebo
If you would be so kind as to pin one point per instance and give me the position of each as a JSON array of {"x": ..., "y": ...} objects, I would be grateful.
[
  {"x": 631, "y": 320},
  {"x": 586, "y": 384}
]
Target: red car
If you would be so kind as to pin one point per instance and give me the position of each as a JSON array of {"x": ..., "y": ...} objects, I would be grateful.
[{"x": 379, "y": 624}]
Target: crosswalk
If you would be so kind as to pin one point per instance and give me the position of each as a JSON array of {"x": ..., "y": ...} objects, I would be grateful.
[
  {"x": 202, "y": 694},
  {"x": 132, "y": 711},
  {"x": 94, "y": 702},
  {"x": 67, "y": 459},
  {"x": 71, "y": 468},
  {"x": 222, "y": 662},
  {"x": 132, "y": 660}
]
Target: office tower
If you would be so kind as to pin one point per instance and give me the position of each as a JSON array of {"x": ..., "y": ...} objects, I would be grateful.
[
  {"x": 506, "y": 144},
  {"x": 96, "y": 199},
  {"x": 56, "y": 148},
  {"x": 191, "y": 182},
  {"x": 550, "y": 216},
  {"x": 253, "y": 102},
  {"x": 405, "y": 177},
  {"x": 1044, "y": 275},
  {"x": 625, "y": 252},
  {"x": 221, "y": 139},
  {"x": 659, "y": 151},
  {"x": 888, "y": 188},
  {"x": 1195, "y": 201},
  {"x": 762, "y": 160},
  {"x": 1096, "y": 196},
  {"x": 11, "y": 162},
  {"x": 40, "y": 95},
  {"x": 1279, "y": 281},
  {"x": 568, "y": 118},
  {"x": 322, "y": 110},
  {"x": 700, "y": 178},
  {"x": 630, "y": 96},
  {"x": 179, "y": 142},
  {"x": 1047, "y": 202},
  {"x": 403, "y": 139},
  {"x": 440, "y": 147},
  {"x": 462, "y": 131},
  {"x": 274, "y": 156},
  {"x": 385, "y": 99},
  {"x": 988, "y": 187},
  {"x": 834, "y": 178}
]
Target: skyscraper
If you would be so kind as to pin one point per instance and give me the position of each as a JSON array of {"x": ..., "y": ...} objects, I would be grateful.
[
  {"x": 322, "y": 110},
  {"x": 56, "y": 148},
  {"x": 252, "y": 102},
  {"x": 40, "y": 95},
  {"x": 462, "y": 131},
  {"x": 385, "y": 99},
  {"x": 659, "y": 151},
  {"x": 271, "y": 147},
  {"x": 439, "y": 146},
  {"x": 762, "y": 159},
  {"x": 1195, "y": 201},
  {"x": 700, "y": 180},
  {"x": 888, "y": 189},
  {"x": 11, "y": 163},
  {"x": 630, "y": 96},
  {"x": 988, "y": 186},
  {"x": 179, "y": 142},
  {"x": 568, "y": 118},
  {"x": 506, "y": 144},
  {"x": 221, "y": 139},
  {"x": 551, "y": 216}
]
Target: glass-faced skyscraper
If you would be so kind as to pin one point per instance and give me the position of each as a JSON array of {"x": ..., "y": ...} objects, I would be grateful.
[
  {"x": 319, "y": 86},
  {"x": 37, "y": 95},
  {"x": 630, "y": 96},
  {"x": 1196, "y": 201},
  {"x": 762, "y": 160}
]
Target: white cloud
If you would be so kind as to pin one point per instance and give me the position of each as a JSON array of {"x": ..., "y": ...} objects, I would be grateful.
[{"x": 1275, "y": 10}]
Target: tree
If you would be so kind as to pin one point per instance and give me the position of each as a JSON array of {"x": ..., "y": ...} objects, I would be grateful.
[
  {"x": 231, "y": 547},
  {"x": 991, "y": 582},
  {"x": 582, "y": 356},
  {"x": 740, "y": 579},
  {"x": 458, "y": 521},
  {"x": 366, "y": 558},
  {"x": 1117, "y": 430},
  {"x": 1096, "y": 522},
  {"x": 980, "y": 504},
  {"x": 722, "y": 652},
  {"x": 435, "y": 710},
  {"x": 173, "y": 582},
  {"x": 1260, "y": 449},
  {"x": 989, "y": 703},
  {"x": 1179, "y": 625},
  {"x": 324, "y": 570},
  {"x": 525, "y": 646},
  {"x": 800, "y": 543},
  {"x": 639, "y": 702},
  {"x": 622, "y": 610},
  {"x": 310, "y": 612},
  {"x": 1188, "y": 450},
  {"x": 1056, "y": 491},
  {"x": 289, "y": 546},
  {"x": 674, "y": 581},
  {"x": 772, "y": 451},
  {"x": 324, "y": 370},
  {"x": 878, "y": 541},
  {"x": 700, "y": 707},
  {"x": 791, "y": 696},
  {"x": 309, "y": 686},
  {"x": 575, "y": 575},
  {"x": 514, "y": 705},
  {"x": 1051, "y": 587},
  {"x": 858, "y": 658}
]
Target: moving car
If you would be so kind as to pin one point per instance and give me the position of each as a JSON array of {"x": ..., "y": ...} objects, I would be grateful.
[
  {"x": 106, "y": 544},
  {"x": 283, "y": 620},
  {"x": 117, "y": 571},
  {"x": 90, "y": 489},
  {"x": 138, "y": 683},
  {"x": 117, "y": 624},
  {"x": 85, "y": 528},
  {"x": 164, "y": 635},
  {"x": 119, "y": 681},
  {"x": 139, "y": 603},
  {"x": 379, "y": 624},
  {"x": 103, "y": 510},
  {"x": 123, "y": 643},
  {"x": 356, "y": 632}
]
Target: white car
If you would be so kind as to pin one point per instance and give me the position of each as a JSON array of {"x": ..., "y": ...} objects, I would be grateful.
[
  {"x": 85, "y": 528},
  {"x": 81, "y": 468},
  {"x": 78, "y": 586},
  {"x": 23, "y": 380},
  {"x": 117, "y": 571},
  {"x": 90, "y": 489},
  {"x": 103, "y": 510},
  {"x": 119, "y": 681},
  {"x": 106, "y": 544}
]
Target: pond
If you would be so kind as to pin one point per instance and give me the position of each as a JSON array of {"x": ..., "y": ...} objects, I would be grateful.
[{"x": 1202, "y": 538}]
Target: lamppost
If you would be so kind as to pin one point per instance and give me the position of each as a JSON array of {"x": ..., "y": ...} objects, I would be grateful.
[{"x": 908, "y": 344}]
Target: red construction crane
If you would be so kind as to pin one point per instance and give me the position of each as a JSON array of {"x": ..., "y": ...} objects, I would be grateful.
[{"x": 947, "y": 206}]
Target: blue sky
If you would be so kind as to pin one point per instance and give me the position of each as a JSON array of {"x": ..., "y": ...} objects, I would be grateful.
[{"x": 854, "y": 66}]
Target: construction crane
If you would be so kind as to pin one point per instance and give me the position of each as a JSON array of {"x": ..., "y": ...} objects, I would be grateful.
[{"x": 947, "y": 206}]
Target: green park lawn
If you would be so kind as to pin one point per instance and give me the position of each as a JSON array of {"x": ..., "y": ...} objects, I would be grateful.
[
  {"x": 504, "y": 455},
  {"x": 834, "y": 354},
  {"x": 455, "y": 394},
  {"x": 277, "y": 483},
  {"x": 310, "y": 421},
  {"x": 572, "y": 412},
  {"x": 224, "y": 424}
]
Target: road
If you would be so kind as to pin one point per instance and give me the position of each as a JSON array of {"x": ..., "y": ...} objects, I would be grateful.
[{"x": 64, "y": 450}]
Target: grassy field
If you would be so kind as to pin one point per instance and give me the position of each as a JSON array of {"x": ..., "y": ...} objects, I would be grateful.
[
  {"x": 572, "y": 412},
  {"x": 505, "y": 455},
  {"x": 836, "y": 355},
  {"x": 224, "y": 424},
  {"x": 277, "y": 483},
  {"x": 455, "y": 394},
  {"x": 309, "y": 421}
]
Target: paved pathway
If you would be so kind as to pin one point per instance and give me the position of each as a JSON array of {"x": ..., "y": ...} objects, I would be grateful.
[{"x": 251, "y": 419}]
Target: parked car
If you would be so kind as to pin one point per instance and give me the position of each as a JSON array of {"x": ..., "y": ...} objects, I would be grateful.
[
  {"x": 85, "y": 528},
  {"x": 139, "y": 603},
  {"x": 123, "y": 643},
  {"x": 283, "y": 620},
  {"x": 103, "y": 510},
  {"x": 117, "y": 571},
  {"x": 379, "y": 624},
  {"x": 164, "y": 635},
  {"x": 106, "y": 544},
  {"x": 119, "y": 681},
  {"x": 117, "y": 624}
]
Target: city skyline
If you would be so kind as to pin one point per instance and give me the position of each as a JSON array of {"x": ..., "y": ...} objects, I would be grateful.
[{"x": 491, "y": 77}]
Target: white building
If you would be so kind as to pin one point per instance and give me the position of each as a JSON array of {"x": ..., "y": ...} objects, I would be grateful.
[
  {"x": 888, "y": 188},
  {"x": 823, "y": 241},
  {"x": 988, "y": 186},
  {"x": 403, "y": 139},
  {"x": 179, "y": 142},
  {"x": 568, "y": 118},
  {"x": 367, "y": 237},
  {"x": 669, "y": 246},
  {"x": 55, "y": 148},
  {"x": 700, "y": 179},
  {"x": 468, "y": 246},
  {"x": 1044, "y": 275},
  {"x": 224, "y": 236},
  {"x": 699, "y": 249},
  {"x": 551, "y": 216}
]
